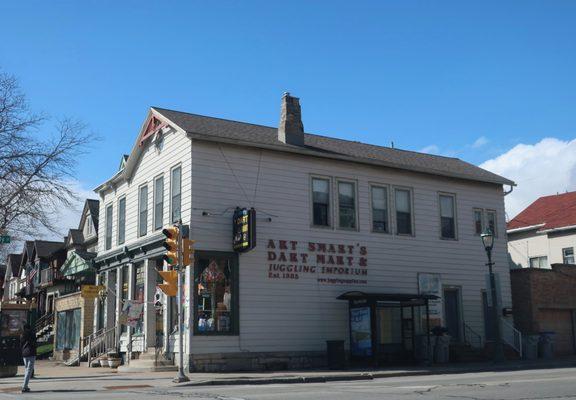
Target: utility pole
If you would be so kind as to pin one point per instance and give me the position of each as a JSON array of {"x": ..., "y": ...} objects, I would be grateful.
[{"x": 181, "y": 377}]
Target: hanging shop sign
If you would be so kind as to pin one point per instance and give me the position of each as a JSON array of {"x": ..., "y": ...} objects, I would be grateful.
[
  {"x": 330, "y": 263},
  {"x": 429, "y": 283},
  {"x": 244, "y": 229},
  {"x": 91, "y": 291}
]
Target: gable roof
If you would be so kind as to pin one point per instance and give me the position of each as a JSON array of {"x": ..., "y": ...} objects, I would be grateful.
[
  {"x": 75, "y": 236},
  {"x": 94, "y": 207},
  {"x": 13, "y": 262},
  {"x": 247, "y": 134},
  {"x": 548, "y": 212},
  {"x": 45, "y": 248}
]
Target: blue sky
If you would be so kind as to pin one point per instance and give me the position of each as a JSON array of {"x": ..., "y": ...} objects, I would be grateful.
[{"x": 438, "y": 76}]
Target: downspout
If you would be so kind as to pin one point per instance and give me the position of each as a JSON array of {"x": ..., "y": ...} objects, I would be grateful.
[{"x": 506, "y": 193}]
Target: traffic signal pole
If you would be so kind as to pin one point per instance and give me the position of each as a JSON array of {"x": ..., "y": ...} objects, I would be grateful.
[{"x": 181, "y": 376}]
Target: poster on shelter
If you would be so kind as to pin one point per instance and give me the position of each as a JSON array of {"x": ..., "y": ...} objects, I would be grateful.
[
  {"x": 360, "y": 332},
  {"x": 431, "y": 284}
]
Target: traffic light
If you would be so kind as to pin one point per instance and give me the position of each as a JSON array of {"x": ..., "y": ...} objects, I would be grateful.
[
  {"x": 171, "y": 245},
  {"x": 187, "y": 251},
  {"x": 171, "y": 285}
]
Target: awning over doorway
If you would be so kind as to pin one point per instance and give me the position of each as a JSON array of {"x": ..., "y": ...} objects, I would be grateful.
[{"x": 77, "y": 262}]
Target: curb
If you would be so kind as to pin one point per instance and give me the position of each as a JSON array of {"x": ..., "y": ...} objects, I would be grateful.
[{"x": 372, "y": 375}]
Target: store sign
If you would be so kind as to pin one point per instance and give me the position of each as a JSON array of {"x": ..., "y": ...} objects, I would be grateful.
[
  {"x": 90, "y": 291},
  {"x": 244, "y": 229},
  {"x": 431, "y": 284},
  {"x": 330, "y": 263}
]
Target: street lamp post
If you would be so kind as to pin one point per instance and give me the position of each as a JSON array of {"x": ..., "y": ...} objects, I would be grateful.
[{"x": 488, "y": 241}]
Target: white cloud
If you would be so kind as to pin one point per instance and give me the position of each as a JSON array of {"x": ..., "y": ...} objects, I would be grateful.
[
  {"x": 540, "y": 169},
  {"x": 481, "y": 141},
  {"x": 432, "y": 149}
]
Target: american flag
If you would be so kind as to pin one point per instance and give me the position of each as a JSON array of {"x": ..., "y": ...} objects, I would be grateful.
[{"x": 32, "y": 274}]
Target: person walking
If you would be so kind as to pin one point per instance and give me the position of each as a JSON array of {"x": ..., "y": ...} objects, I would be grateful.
[{"x": 28, "y": 345}]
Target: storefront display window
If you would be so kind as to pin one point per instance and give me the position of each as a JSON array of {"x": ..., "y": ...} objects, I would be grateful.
[
  {"x": 139, "y": 292},
  {"x": 68, "y": 329},
  {"x": 216, "y": 288}
]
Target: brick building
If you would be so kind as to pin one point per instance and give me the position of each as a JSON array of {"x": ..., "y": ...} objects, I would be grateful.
[{"x": 545, "y": 301}]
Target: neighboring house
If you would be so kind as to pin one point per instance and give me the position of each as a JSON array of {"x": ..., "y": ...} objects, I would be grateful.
[
  {"x": 2, "y": 278},
  {"x": 74, "y": 315},
  {"x": 11, "y": 277},
  {"x": 377, "y": 226},
  {"x": 544, "y": 233},
  {"x": 545, "y": 301}
]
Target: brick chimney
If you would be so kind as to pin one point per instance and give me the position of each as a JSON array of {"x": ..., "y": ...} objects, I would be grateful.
[{"x": 291, "y": 129}]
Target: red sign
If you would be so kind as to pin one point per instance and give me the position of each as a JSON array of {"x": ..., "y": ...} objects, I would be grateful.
[{"x": 331, "y": 263}]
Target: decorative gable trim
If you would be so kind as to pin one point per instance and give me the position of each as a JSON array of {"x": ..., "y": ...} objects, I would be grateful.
[{"x": 153, "y": 126}]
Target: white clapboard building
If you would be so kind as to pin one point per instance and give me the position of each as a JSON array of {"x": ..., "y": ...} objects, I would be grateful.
[{"x": 354, "y": 242}]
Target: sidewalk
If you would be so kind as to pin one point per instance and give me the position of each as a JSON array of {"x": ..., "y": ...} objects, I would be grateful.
[{"x": 52, "y": 376}]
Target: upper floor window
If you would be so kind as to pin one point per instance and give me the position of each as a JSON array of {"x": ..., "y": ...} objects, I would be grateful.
[
  {"x": 447, "y": 216},
  {"x": 379, "y": 198},
  {"x": 539, "y": 262},
  {"x": 568, "y": 255},
  {"x": 491, "y": 221},
  {"x": 158, "y": 202},
  {"x": 478, "y": 221},
  {"x": 143, "y": 210},
  {"x": 121, "y": 220},
  {"x": 88, "y": 225},
  {"x": 320, "y": 202},
  {"x": 346, "y": 205},
  {"x": 403, "y": 207},
  {"x": 176, "y": 194},
  {"x": 108, "y": 235}
]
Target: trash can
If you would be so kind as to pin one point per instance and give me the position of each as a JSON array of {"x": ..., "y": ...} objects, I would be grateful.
[
  {"x": 546, "y": 345},
  {"x": 335, "y": 354},
  {"x": 442, "y": 348},
  {"x": 422, "y": 353},
  {"x": 530, "y": 345}
]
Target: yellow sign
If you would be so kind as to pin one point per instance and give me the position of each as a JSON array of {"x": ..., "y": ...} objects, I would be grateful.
[{"x": 91, "y": 291}]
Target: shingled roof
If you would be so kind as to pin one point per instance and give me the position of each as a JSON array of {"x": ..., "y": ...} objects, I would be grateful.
[
  {"x": 548, "y": 212},
  {"x": 94, "y": 207},
  {"x": 216, "y": 129}
]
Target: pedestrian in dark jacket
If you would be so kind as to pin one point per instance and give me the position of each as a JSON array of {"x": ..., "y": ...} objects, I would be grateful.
[{"x": 28, "y": 345}]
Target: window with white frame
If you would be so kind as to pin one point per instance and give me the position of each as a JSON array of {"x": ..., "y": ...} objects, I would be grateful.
[
  {"x": 158, "y": 202},
  {"x": 478, "y": 221},
  {"x": 108, "y": 235},
  {"x": 539, "y": 262},
  {"x": 403, "y": 208},
  {"x": 143, "y": 210},
  {"x": 121, "y": 220},
  {"x": 379, "y": 203},
  {"x": 321, "y": 202},
  {"x": 88, "y": 225},
  {"x": 176, "y": 194},
  {"x": 491, "y": 221},
  {"x": 347, "y": 205},
  {"x": 568, "y": 255},
  {"x": 447, "y": 216}
]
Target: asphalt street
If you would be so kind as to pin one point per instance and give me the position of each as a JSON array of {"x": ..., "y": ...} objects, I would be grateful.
[{"x": 549, "y": 384}]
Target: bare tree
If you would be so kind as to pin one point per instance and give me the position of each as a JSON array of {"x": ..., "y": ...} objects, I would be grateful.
[{"x": 35, "y": 167}]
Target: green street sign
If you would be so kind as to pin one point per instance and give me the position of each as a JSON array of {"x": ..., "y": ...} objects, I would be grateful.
[{"x": 4, "y": 239}]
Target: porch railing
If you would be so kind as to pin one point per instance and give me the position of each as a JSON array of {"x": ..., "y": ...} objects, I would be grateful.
[
  {"x": 49, "y": 275},
  {"x": 511, "y": 336},
  {"x": 95, "y": 345},
  {"x": 44, "y": 323},
  {"x": 473, "y": 338}
]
